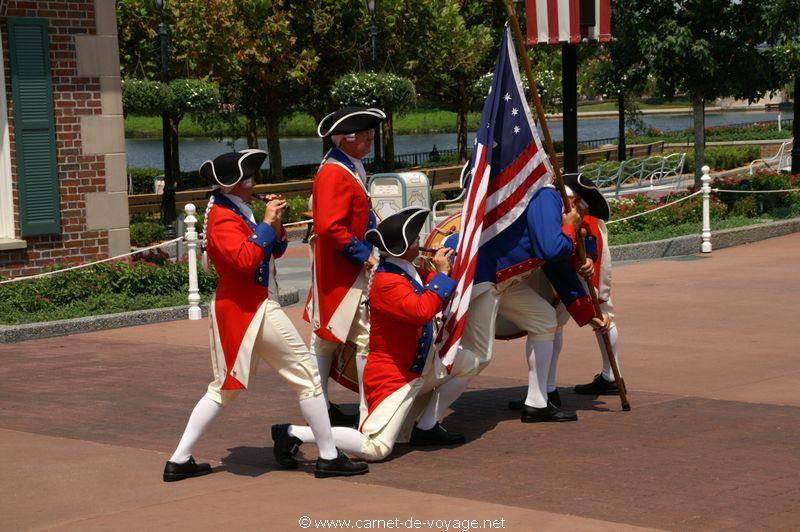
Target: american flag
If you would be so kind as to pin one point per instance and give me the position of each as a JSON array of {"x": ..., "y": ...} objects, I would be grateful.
[
  {"x": 508, "y": 166},
  {"x": 559, "y": 21}
]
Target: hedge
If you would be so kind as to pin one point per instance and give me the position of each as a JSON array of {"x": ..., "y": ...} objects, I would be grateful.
[
  {"x": 780, "y": 205},
  {"x": 724, "y": 157},
  {"x": 152, "y": 279}
]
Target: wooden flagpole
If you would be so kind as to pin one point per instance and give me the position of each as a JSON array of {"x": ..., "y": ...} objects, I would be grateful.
[{"x": 551, "y": 152}]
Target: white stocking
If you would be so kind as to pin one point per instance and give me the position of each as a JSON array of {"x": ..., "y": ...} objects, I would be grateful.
[
  {"x": 203, "y": 414},
  {"x": 443, "y": 396},
  {"x": 315, "y": 412},
  {"x": 613, "y": 335},
  {"x": 349, "y": 440},
  {"x": 540, "y": 352},
  {"x": 558, "y": 343},
  {"x": 324, "y": 368}
]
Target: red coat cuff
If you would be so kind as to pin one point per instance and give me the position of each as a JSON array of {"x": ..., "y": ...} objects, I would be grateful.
[{"x": 582, "y": 310}]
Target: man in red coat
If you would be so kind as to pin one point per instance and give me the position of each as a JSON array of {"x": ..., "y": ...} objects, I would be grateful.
[
  {"x": 246, "y": 323},
  {"x": 342, "y": 259},
  {"x": 399, "y": 381}
]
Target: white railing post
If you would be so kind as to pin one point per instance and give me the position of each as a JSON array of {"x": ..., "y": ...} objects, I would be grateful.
[
  {"x": 195, "y": 313},
  {"x": 706, "y": 188}
]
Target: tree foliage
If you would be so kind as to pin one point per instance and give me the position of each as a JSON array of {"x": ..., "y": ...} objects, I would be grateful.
[
  {"x": 388, "y": 92},
  {"x": 705, "y": 48}
]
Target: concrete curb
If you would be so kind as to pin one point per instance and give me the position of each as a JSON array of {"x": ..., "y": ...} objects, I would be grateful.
[
  {"x": 32, "y": 331},
  {"x": 690, "y": 244}
]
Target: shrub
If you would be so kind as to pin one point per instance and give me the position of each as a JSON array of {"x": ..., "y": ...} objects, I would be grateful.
[
  {"x": 141, "y": 180},
  {"x": 762, "y": 180},
  {"x": 150, "y": 281},
  {"x": 295, "y": 207},
  {"x": 386, "y": 91},
  {"x": 146, "y": 233},
  {"x": 724, "y": 157}
]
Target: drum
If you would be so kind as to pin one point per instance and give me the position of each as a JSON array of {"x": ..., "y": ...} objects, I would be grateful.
[
  {"x": 445, "y": 228},
  {"x": 504, "y": 328},
  {"x": 343, "y": 367}
]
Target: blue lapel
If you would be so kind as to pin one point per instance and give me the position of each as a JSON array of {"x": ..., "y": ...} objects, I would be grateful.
[
  {"x": 223, "y": 201},
  {"x": 425, "y": 341}
]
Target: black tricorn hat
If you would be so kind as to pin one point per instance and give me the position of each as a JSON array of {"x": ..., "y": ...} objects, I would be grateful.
[
  {"x": 395, "y": 234},
  {"x": 588, "y": 192},
  {"x": 350, "y": 120},
  {"x": 231, "y": 167}
]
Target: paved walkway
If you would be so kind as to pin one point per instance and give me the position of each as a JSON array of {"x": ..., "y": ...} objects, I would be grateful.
[{"x": 709, "y": 348}]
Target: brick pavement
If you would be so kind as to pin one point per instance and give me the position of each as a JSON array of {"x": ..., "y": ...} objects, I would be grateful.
[{"x": 709, "y": 353}]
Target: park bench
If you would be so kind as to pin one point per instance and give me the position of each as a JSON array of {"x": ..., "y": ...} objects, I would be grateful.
[
  {"x": 636, "y": 172},
  {"x": 782, "y": 160}
]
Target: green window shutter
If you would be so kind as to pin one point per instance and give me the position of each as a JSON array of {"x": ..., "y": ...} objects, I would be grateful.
[{"x": 34, "y": 126}]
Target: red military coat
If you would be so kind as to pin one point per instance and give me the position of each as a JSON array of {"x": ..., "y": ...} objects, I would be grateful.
[
  {"x": 240, "y": 251},
  {"x": 342, "y": 215},
  {"x": 401, "y": 328}
]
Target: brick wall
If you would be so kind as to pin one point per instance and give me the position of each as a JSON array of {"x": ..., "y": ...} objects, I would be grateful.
[{"x": 78, "y": 174}]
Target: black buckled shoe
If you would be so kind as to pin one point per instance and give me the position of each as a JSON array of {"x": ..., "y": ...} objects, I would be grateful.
[
  {"x": 599, "y": 386},
  {"x": 341, "y": 466},
  {"x": 552, "y": 397},
  {"x": 438, "y": 435},
  {"x": 340, "y": 419},
  {"x": 174, "y": 471},
  {"x": 284, "y": 446},
  {"x": 550, "y": 413}
]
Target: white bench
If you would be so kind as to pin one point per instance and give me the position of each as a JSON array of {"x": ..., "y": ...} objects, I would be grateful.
[
  {"x": 780, "y": 161},
  {"x": 636, "y": 172}
]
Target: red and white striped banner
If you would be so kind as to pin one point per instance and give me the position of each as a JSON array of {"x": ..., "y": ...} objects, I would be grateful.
[{"x": 559, "y": 21}]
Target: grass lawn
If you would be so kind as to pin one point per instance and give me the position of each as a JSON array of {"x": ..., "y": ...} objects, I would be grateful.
[
  {"x": 611, "y": 105},
  {"x": 662, "y": 233},
  {"x": 303, "y": 125}
]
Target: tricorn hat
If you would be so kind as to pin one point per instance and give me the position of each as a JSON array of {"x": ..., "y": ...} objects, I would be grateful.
[
  {"x": 229, "y": 168},
  {"x": 588, "y": 191},
  {"x": 350, "y": 120},
  {"x": 395, "y": 234}
]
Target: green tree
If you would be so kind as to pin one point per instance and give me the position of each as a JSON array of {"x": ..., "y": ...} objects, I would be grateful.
[
  {"x": 336, "y": 32},
  {"x": 705, "y": 48},
  {"x": 621, "y": 69},
  {"x": 388, "y": 92},
  {"x": 178, "y": 98},
  {"x": 443, "y": 46},
  {"x": 782, "y": 24},
  {"x": 250, "y": 48}
]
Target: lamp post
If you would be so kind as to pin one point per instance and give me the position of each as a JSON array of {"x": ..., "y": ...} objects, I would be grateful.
[
  {"x": 168, "y": 214},
  {"x": 372, "y": 7}
]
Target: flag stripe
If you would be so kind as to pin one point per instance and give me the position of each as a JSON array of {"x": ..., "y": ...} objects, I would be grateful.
[
  {"x": 532, "y": 23},
  {"x": 574, "y": 21},
  {"x": 558, "y": 21},
  {"x": 552, "y": 20},
  {"x": 514, "y": 198}
]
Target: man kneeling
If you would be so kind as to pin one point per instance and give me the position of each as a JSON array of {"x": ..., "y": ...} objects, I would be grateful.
[{"x": 400, "y": 385}]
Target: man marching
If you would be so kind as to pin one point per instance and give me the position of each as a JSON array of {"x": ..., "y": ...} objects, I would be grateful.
[
  {"x": 246, "y": 323},
  {"x": 587, "y": 199},
  {"x": 342, "y": 259},
  {"x": 399, "y": 376},
  {"x": 540, "y": 237}
]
